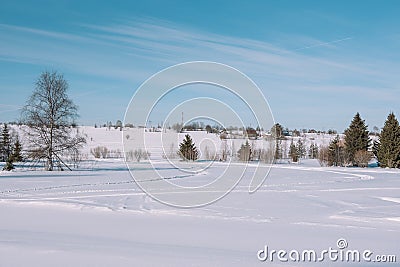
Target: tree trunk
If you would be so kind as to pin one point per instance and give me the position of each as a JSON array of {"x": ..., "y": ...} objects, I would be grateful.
[{"x": 49, "y": 162}]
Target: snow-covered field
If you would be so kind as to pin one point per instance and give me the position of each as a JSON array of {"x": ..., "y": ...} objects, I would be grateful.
[{"x": 97, "y": 216}]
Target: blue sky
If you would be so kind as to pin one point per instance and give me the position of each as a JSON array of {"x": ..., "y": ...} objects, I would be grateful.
[{"x": 317, "y": 62}]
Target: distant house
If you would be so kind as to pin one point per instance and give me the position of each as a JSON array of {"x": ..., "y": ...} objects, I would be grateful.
[
  {"x": 285, "y": 133},
  {"x": 251, "y": 133},
  {"x": 223, "y": 134}
]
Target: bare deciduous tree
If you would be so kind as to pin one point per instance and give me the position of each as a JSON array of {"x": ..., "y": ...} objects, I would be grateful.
[
  {"x": 140, "y": 154},
  {"x": 362, "y": 157},
  {"x": 50, "y": 114}
]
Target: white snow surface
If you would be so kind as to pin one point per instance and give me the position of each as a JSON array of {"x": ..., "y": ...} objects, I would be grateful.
[{"x": 97, "y": 216}]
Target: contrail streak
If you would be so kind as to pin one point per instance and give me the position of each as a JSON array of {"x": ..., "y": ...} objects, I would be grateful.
[{"x": 322, "y": 44}]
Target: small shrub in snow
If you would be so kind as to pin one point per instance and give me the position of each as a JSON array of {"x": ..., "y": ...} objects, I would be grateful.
[
  {"x": 115, "y": 153},
  {"x": 129, "y": 155},
  {"x": 171, "y": 154},
  {"x": 362, "y": 157},
  {"x": 137, "y": 154},
  {"x": 95, "y": 152},
  {"x": 265, "y": 155},
  {"x": 140, "y": 154},
  {"x": 75, "y": 157},
  {"x": 323, "y": 156},
  {"x": 99, "y": 152},
  {"x": 104, "y": 152}
]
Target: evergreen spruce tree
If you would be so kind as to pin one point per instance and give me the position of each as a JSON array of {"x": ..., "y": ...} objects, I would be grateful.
[
  {"x": 16, "y": 155},
  {"x": 388, "y": 148},
  {"x": 5, "y": 143},
  {"x": 301, "y": 150},
  {"x": 313, "y": 151},
  {"x": 356, "y": 138},
  {"x": 6, "y": 148},
  {"x": 375, "y": 148},
  {"x": 9, "y": 165},
  {"x": 310, "y": 150},
  {"x": 245, "y": 152},
  {"x": 335, "y": 153},
  {"x": 187, "y": 149},
  {"x": 293, "y": 152}
]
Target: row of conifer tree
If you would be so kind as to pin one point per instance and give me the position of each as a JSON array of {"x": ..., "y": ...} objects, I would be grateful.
[{"x": 356, "y": 149}]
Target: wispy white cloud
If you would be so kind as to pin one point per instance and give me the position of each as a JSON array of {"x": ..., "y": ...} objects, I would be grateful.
[
  {"x": 169, "y": 43},
  {"x": 130, "y": 51},
  {"x": 101, "y": 51},
  {"x": 4, "y": 108},
  {"x": 44, "y": 33}
]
